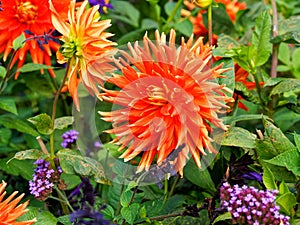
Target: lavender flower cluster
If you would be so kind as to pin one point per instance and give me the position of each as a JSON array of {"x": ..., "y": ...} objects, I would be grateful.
[
  {"x": 69, "y": 138},
  {"x": 249, "y": 205},
  {"x": 43, "y": 180}
]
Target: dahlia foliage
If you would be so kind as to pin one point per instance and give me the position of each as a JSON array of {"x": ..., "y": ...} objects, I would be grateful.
[{"x": 149, "y": 112}]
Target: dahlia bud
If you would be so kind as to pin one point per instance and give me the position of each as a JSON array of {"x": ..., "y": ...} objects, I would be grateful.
[{"x": 202, "y": 3}]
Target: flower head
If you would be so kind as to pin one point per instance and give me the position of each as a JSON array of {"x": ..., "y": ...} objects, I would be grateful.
[
  {"x": 69, "y": 138},
  {"x": 19, "y": 16},
  {"x": 85, "y": 46},
  {"x": 10, "y": 210},
  {"x": 43, "y": 180},
  {"x": 168, "y": 98},
  {"x": 249, "y": 205}
]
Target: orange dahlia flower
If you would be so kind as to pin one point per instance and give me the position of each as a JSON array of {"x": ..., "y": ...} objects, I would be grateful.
[
  {"x": 9, "y": 211},
  {"x": 232, "y": 7},
  {"x": 86, "y": 47},
  {"x": 168, "y": 98},
  {"x": 18, "y": 16}
]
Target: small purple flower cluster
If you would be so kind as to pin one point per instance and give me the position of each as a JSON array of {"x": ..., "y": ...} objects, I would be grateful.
[
  {"x": 248, "y": 205},
  {"x": 43, "y": 180},
  {"x": 70, "y": 138}
]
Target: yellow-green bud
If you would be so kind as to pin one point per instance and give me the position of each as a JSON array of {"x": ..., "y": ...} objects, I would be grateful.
[{"x": 202, "y": 3}]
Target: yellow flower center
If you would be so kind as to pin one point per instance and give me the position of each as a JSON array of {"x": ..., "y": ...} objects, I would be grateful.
[{"x": 26, "y": 12}]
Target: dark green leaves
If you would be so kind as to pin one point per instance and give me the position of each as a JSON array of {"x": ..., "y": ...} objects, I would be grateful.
[
  {"x": 72, "y": 162},
  {"x": 43, "y": 123}
]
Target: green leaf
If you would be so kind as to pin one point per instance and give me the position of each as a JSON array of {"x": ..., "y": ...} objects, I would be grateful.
[
  {"x": 29, "y": 67},
  {"x": 16, "y": 167},
  {"x": 286, "y": 118},
  {"x": 126, "y": 12},
  {"x": 286, "y": 202},
  {"x": 17, "y": 124},
  {"x": 8, "y": 104},
  {"x": 130, "y": 213},
  {"x": 238, "y": 137},
  {"x": 279, "y": 141},
  {"x": 288, "y": 30},
  {"x": 243, "y": 117},
  {"x": 65, "y": 220},
  {"x": 169, "y": 6},
  {"x": 108, "y": 212},
  {"x": 283, "y": 188},
  {"x": 125, "y": 198},
  {"x": 19, "y": 42},
  {"x": 43, "y": 123},
  {"x": 29, "y": 154},
  {"x": 289, "y": 159},
  {"x": 45, "y": 218},
  {"x": 185, "y": 27},
  {"x": 63, "y": 122},
  {"x": 132, "y": 184},
  {"x": 269, "y": 179},
  {"x": 228, "y": 78},
  {"x": 223, "y": 217},
  {"x": 72, "y": 162},
  {"x": 246, "y": 93},
  {"x": 261, "y": 46},
  {"x": 2, "y": 71},
  {"x": 284, "y": 53},
  {"x": 297, "y": 140},
  {"x": 286, "y": 85},
  {"x": 201, "y": 178}
]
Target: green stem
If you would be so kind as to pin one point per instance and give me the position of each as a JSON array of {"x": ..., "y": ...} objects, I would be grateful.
[
  {"x": 172, "y": 15},
  {"x": 209, "y": 24},
  {"x": 173, "y": 186},
  {"x": 166, "y": 190},
  {"x": 63, "y": 201},
  {"x": 52, "y": 154}
]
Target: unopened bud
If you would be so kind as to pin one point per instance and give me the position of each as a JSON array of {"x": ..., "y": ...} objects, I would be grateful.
[{"x": 202, "y": 3}]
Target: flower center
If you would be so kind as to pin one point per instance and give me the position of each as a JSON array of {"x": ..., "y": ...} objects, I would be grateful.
[
  {"x": 26, "y": 12},
  {"x": 71, "y": 48}
]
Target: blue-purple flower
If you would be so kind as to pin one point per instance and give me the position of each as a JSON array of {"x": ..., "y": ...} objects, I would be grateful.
[
  {"x": 248, "y": 205},
  {"x": 43, "y": 179},
  {"x": 103, "y": 5},
  {"x": 69, "y": 138}
]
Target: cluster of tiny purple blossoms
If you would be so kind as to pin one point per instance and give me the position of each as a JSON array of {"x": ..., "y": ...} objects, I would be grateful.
[
  {"x": 248, "y": 205},
  {"x": 43, "y": 180},
  {"x": 69, "y": 138}
]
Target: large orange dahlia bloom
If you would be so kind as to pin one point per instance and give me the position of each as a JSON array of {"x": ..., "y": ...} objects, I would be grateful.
[
  {"x": 18, "y": 16},
  {"x": 86, "y": 47},
  {"x": 10, "y": 210},
  {"x": 168, "y": 98}
]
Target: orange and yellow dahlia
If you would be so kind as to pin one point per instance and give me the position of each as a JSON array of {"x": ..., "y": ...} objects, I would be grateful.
[
  {"x": 18, "y": 16},
  {"x": 167, "y": 98},
  {"x": 85, "y": 46},
  {"x": 10, "y": 210}
]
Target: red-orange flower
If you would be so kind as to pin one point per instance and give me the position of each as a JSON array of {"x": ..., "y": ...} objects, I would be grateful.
[
  {"x": 168, "y": 98},
  {"x": 18, "y": 16},
  {"x": 241, "y": 75},
  {"x": 10, "y": 210},
  {"x": 232, "y": 7},
  {"x": 86, "y": 47}
]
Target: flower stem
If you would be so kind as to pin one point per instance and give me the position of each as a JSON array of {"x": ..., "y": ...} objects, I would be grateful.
[
  {"x": 275, "y": 46},
  {"x": 209, "y": 24},
  {"x": 172, "y": 15},
  {"x": 173, "y": 186},
  {"x": 54, "y": 109}
]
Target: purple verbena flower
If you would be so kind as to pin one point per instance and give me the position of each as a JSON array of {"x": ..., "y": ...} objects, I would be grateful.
[
  {"x": 249, "y": 205},
  {"x": 103, "y": 5},
  {"x": 69, "y": 138},
  {"x": 43, "y": 179}
]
